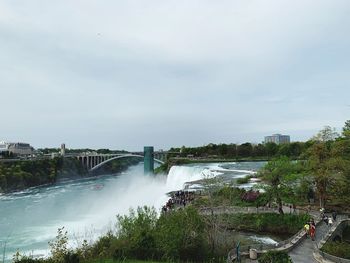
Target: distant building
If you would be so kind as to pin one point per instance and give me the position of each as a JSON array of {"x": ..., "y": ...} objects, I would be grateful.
[
  {"x": 277, "y": 138},
  {"x": 63, "y": 149},
  {"x": 16, "y": 148}
]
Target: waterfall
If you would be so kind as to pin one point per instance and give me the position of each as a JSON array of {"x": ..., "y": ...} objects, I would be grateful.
[{"x": 179, "y": 175}]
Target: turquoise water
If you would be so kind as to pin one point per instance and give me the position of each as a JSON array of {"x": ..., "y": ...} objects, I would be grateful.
[{"x": 87, "y": 208}]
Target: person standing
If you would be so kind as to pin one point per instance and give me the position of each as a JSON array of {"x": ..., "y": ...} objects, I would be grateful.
[
  {"x": 312, "y": 230},
  {"x": 334, "y": 215},
  {"x": 330, "y": 221},
  {"x": 307, "y": 229}
]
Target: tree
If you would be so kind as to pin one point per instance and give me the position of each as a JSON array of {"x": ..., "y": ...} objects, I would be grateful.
[
  {"x": 324, "y": 163},
  {"x": 340, "y": 163},
  {"x": 137, "y": 230},
  {"x": 259, "y": 150},
  {"x": 245, "y": 150},
  {"x": 346, "y": 130},
  {"x": 180, "y": 235},
  {"x": 326, "y": 134},
  {"x": 271, "y": 149},
  {"x": 278, "y": 173},
  {"x": 319, "y": 167},
  {"x": 59, "y": 247},
  {"x": 211, "y": 186}
]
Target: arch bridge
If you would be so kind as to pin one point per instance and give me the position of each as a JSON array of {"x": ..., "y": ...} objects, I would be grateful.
[{"x": 93, "y": 161}]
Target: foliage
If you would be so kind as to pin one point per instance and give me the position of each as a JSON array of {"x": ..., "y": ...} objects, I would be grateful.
[
  {"x": 338, "y": 249},
  {"x": 346, "y": 130},
  {"x": 19, "y": 258},
  {"x": 243, "y": 151},
  {"x": 23, "y": 174},
  {"x": 176, "y": 235},
  {"x": 326, "y": 134},
  {"x": 267, "y": 222},
  {"x": 59, "y": 247},
  {"x": 229, "y": 196},
  {"x": 250, "y": 196},
  {"x": 275, "y": 257},
  {"x": 181, "y": 235},
  {"x": 137, "y": 231},
  {"x": 243, "y": 180},
  {"x": 329, "y": 164},
  {"x": 278, "y": 174}
]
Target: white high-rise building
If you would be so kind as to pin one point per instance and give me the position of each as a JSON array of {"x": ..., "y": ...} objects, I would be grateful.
[{"x": 277, "y": 138}]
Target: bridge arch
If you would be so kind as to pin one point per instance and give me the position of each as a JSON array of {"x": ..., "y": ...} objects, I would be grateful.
[{"x": 119, "y": 157}]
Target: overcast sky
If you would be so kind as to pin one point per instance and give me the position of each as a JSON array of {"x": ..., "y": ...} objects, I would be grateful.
[{"x": 124, "y": 74}]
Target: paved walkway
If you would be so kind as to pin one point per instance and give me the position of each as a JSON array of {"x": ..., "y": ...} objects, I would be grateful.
[{"x": 303, "y": 253}]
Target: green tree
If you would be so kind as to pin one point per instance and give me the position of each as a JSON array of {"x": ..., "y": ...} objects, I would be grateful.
[
  {"x": 137, "y": 231},
  {"x": 346, "y": 130},
  {"x": 181, "y": 236},
  {"x": 340, "y": 164},
  {"x": 278, "y": 174},
  {"x": 323, "y": 164},
  {"x": 245, "y": 150},
  {"x": 271, "y": 149},
  {"x": 326, "y": 134}
]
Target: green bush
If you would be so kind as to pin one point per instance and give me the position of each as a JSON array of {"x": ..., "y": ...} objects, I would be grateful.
[
  {"x": 138, "y": 231},
  {"x": 338, "y": 249},
  {"x": 243, "y": 180},
  {"x": 267, "y": 222},
  {"x": 180, "y": 235},
  {"x": 275, "y": 257},
  {"x": 176, "y": 235}
]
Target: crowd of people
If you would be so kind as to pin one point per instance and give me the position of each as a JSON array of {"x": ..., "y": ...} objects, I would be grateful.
[
  {"x": 178, "y": 199},
  {"x": 328, "y": 219},
  {"x": 310, "y": 227}
]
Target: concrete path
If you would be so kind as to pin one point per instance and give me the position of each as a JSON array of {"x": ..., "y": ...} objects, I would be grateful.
[{"x": 303, "y": 253}]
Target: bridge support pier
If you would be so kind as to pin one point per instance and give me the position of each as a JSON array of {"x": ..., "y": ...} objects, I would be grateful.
[{"x": 148, "y": 159}]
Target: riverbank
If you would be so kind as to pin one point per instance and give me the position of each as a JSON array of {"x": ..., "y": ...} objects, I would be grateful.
[{"x": 20, "y": 175}]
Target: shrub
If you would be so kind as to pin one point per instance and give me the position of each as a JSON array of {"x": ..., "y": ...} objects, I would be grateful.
[
  {"x": 137, "y": 231},
  {"x": 243, "y": 180},
  {"x": 338, "y": 249},
  {"x": 250, "y": 196},
  {"x": 275, "y": 257},
  {"x": 180, "y": 236},
  {"x": 58, "y": 247},
  {"x": 267, "y": 222}
]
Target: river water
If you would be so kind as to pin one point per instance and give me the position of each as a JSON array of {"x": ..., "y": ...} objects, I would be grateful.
[{"x": 88, "y": 207}]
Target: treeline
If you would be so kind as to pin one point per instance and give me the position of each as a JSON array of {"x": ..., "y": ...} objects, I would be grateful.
[
  {"x": 100, "y": 151},
  {"x": 245, "y": 150},
  {"x": 322, "y": 175},
  {"x": 23, "y": 174}
]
